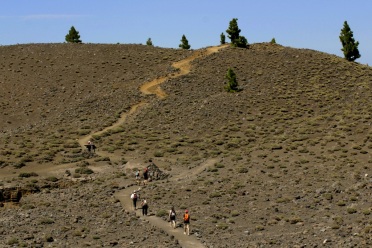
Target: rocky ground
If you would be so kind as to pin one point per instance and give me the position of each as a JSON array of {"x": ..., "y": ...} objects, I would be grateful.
[{"x": 285, "y": 162}]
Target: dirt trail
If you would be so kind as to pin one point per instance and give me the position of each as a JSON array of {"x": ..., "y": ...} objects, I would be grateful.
[
  {"x": 184, "y": 67},
  {"x": 185, "y": 241},
  {"x": 84, "y": 140},
  {"x": 152, "y": 87}
]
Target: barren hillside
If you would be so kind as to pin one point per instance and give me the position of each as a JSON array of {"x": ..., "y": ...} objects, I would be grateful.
[{"x": 285, "y": 162}]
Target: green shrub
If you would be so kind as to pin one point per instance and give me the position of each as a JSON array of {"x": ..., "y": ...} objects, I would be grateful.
[
  {"x": 242, "y": 170},
  {"x": 28, "y": 174},
  {"x": 83, "y": 170},
  {"x": 158, "y": 154},
  {"x": 52, "y": 179},
  {"x": 162, "y": 213}
]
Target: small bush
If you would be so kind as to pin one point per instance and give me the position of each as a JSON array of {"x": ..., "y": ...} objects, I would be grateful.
[
  {"x": 242, "y": 170},
  {"x": 84, "y": 170},
  {"x": 46, "y": 221},
  {"x": 351, "y": 210},
  {"x": 28, "y": 174},
  {"x": 52, "y": 179},
  {"x": 12, "y": 241},
  {"x": 162, "y": 213},
  {"x": 158, "y": 154}
]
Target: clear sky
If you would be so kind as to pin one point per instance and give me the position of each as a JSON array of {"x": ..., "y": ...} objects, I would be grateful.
[{"x": 312, "y": 24}]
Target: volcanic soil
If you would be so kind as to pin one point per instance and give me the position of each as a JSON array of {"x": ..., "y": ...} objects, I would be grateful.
[{"x": 283, "y": 162}]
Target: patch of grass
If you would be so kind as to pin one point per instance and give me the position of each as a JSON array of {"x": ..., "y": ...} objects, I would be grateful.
[
  {"x": 46, "y": 221},
  {"x": 215, "y": 194},
  {"x": 162, "y": 213},
  {"x": 235, "y": 213},
  {"x": 28, "y": 174},
  {"x": 84, "y": 170},
  {"x": 351, "y": 210},
  {"x": 222, "y": 226},
  {"x": 12, "y": 241},
  {"x": 52, "y": 179},
  {"x": 158, "y": 154}
]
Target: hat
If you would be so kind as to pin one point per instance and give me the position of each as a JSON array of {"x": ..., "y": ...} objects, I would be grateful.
[{"x": 186, "y": 211}]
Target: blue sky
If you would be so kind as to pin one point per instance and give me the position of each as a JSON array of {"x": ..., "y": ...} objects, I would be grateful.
[{"x": 312, "y": 24}]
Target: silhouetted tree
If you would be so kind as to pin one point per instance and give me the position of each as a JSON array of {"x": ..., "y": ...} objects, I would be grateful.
[
  {"x": 234, "y": 34},
  {"x": 184, "y": 43},
  {"x": 73, "y": 36},
  {"x": 349, "y": 45},
  {"x": 232, "y": 84},
  {"x": 149, "y": 42},
  {"x": 233, "y": 31},
  {"x": 223, "y": 38}
]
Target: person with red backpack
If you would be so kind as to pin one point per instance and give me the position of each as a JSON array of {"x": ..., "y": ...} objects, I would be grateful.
[{"x": 186, "y": 222}]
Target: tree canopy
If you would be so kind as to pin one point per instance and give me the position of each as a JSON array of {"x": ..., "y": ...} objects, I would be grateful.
[
  {"x": 149, "y": 42},
  {"x": 184, "y": 43},
  {"x": 73, "y": 36},
  {"x": 349, "y": 45},
  {"x": 232, "y": 84},
  {"x": 234, "y": 34}
]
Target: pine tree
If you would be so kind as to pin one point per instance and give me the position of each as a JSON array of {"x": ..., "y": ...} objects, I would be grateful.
[
  {"x": 241, "y": 42},
  {"x": 232, "y": 84},
  {"x": 349, "y": 45},
  {"x": 234, "y": 34},
  {"x": 73, "y": 36},
  {"x": 223, "y": 38},
  {"x": 184, "y": 43},
  {"x": 273, "y": 41},
  {"x": 233, "y": 30},
  {"x": 149, "y": 42}
]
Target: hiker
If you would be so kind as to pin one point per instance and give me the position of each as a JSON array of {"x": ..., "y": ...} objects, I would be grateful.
[
  {"x": 89, "y": 146},
  {"x": 186, "y": 222},
  {"x": 146, "y": 174},
  {"x": 145, "y": 206},
  {"x": 172, "y": 217},
  {"x": 134, "y": 197},
  {"x": 137, "y": 174},
  {"x": 93, "y": 146}
]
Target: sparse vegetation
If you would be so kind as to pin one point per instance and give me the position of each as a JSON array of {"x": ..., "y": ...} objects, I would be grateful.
[{"x": 286, "y": 157}]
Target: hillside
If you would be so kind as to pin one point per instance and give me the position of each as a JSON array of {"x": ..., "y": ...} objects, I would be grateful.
[{"x": 285, "y": 162}]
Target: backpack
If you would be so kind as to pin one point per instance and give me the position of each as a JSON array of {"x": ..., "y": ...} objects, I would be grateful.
[
  {"x": 134, "y": 196},
  {"x": 186, "y": 217},
  {"x": 173, "y": 213}
]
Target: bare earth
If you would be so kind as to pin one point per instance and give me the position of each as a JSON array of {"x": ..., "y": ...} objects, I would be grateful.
[{"x": 285, "y": 162}]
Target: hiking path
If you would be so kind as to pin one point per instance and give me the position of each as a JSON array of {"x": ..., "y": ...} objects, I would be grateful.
[{"x": 153, "y": 87}]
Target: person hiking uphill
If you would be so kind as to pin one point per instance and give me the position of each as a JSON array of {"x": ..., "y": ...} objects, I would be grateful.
[
  {"x": 186, "y": 223},
  {"x": 145, "y": 207},
  {"x": 172, "y": 217},
  {"x": 134, "y": 198}
]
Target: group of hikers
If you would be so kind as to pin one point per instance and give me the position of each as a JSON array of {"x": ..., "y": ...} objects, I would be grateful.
[
  {"x": 186, "y": 220},
  {"x": 172, "y": 213},
  {"x": 144, "y": 205}
]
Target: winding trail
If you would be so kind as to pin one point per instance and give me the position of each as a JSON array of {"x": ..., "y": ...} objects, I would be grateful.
[{"x": 153, "y": 87}]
